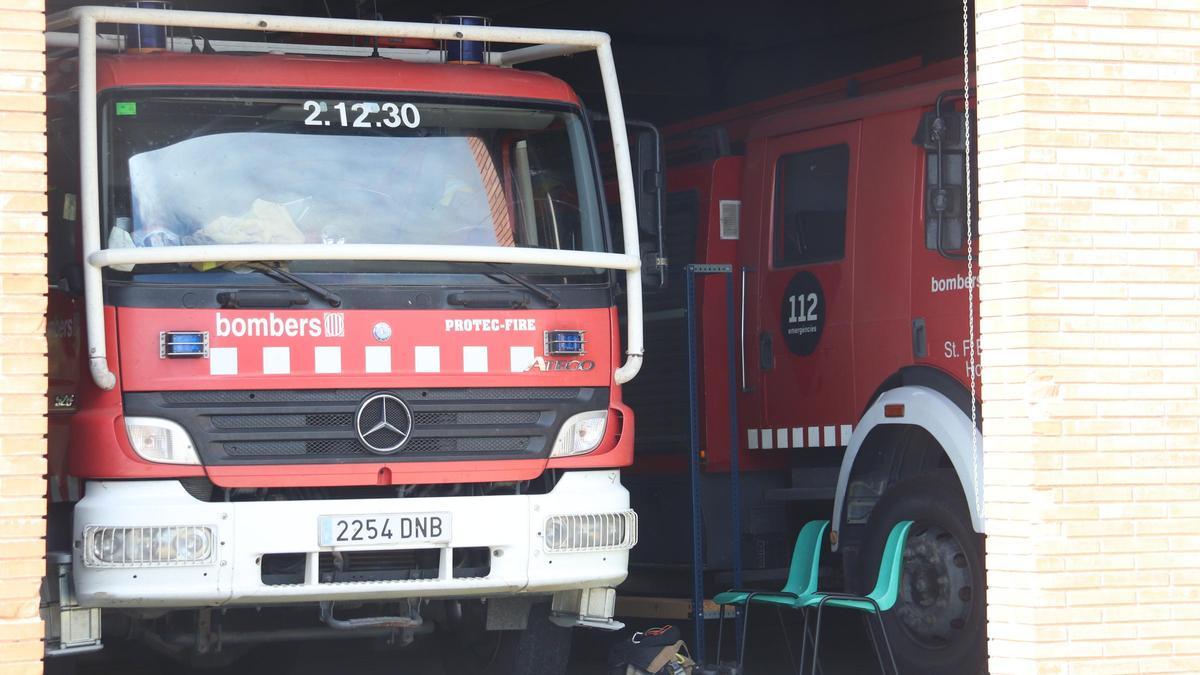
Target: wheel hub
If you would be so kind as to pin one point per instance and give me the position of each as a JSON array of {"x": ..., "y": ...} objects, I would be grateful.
[{"x": 936, "y": 587}]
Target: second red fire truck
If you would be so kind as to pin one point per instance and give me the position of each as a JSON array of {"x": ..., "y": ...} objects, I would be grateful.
[{"x": 841, "y": 210}]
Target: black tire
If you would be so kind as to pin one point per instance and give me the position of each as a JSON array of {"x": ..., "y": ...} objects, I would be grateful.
[
  {"x": 543, "y": 648},
  {"x": 938, "y": 625}
]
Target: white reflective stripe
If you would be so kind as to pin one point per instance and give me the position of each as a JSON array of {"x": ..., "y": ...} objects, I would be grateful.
[
  {"x": 276, "y": 360},
  {"x": 378, "y": 359},
  {"x": 223, "y": 361},
  {"x": 327, "y": 359},
  {"x": 828, "y": 436},
  {"x": 520, "y": 359},
  {"x": 74, "y": 489},
  {"x": 475, "y": 359},
  {"x": 427, "y": 359}
]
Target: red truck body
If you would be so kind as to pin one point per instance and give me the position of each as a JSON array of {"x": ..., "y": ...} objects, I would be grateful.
[{"x": 852, "y": 342}]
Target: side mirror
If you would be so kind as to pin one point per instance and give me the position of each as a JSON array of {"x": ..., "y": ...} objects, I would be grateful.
[
  {"x": 941, "y": 135},
  {"x": 70, "y": 280},
  {"x": 650, "y": 186}
]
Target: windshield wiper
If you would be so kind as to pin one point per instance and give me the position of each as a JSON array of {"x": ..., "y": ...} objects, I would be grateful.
[
  {"x": 280, "y": 274},
  {"x": 549, "y": 298}
]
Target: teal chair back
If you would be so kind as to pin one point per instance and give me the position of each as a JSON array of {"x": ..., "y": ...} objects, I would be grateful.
[
  {"x": 887, "y": 586},
  {"x": 806, "y": 558}
]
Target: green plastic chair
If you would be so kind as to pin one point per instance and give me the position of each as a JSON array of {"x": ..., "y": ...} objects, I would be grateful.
[
  {"x": 799, "y": 592},
  {"x": 881, "y": 599}
]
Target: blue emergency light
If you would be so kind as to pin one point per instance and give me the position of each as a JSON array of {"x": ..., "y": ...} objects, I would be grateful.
[
  {"x": 465, "y": 51},
  {"x": 175, "y": 344},
  {"x": 142, "y": 38},
  {"x": 564, "y": 343}
]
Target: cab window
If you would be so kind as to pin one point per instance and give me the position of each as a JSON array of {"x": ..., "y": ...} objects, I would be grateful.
[{"x": 810, "y": 206}]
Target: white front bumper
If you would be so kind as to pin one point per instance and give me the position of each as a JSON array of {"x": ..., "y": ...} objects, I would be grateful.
[{"x": 511, "y": 526}]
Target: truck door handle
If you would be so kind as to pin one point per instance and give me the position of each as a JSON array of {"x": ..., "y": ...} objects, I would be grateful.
[
  {"x": 766, "y": 351},
  {"x": 920, "y": 343}
]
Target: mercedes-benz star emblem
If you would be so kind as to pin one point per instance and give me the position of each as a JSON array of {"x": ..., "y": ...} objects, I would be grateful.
[{"x": 383, "y": 423}]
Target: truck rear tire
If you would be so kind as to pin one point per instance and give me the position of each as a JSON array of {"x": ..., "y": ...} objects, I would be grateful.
[{"x": 937, "y": 626}]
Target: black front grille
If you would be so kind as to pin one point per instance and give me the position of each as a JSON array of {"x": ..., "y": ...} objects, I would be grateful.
[
  {"x": 386, "y": 565},
  {"x": 398, "y": 565},
  {"x": 281, "y": 421},
  {"x": 317, "y": 425}
]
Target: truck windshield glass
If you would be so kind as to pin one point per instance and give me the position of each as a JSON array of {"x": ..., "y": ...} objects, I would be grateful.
[{"x": 346, "y": 169}]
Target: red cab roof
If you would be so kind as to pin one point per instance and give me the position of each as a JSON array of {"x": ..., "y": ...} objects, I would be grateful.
[{"x": 168, "y": 69}]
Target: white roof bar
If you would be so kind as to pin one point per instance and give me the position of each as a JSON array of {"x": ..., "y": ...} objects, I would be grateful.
[
  {"x": 183, "y": 44},
  {"x": 536, "y": 53},
  {"x": 546, "y": 43},
  {"x": 423, "y": 252},
  {"x": 584, "y": 39}
]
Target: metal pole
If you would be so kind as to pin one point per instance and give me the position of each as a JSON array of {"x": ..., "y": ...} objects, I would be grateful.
[
  {"x": 89, "y": 206},
  {"x": 735, "y": 494},
  {"x": 629, "y": 225},
  {"x": 691, "y": 271},
  {"x": 694, "y": 467}
]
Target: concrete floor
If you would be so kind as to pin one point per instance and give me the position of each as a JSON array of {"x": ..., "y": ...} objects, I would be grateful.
[{"x": 845, "y": 649}]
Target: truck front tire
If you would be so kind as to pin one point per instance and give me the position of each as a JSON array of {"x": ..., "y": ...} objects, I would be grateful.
[
  {"x": 541, "y": 648},
  {"x": 937, "y": 626}
]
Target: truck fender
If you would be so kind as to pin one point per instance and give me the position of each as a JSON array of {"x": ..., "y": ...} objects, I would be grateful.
[{"x": 938, "y": 415}]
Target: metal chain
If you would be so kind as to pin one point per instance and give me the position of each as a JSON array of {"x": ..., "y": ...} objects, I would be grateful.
[{"x": 972, "y": 276}]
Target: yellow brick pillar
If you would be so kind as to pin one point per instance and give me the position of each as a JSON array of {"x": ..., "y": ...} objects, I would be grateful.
[
  {"x": 22, "y": 332},
  {"x": 1089, "y": 168}
]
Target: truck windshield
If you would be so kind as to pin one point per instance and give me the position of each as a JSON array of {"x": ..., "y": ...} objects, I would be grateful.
[{"x": 186, "y": 169}]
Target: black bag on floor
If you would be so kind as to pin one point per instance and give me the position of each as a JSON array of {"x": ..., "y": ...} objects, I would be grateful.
[{"x": 655, "y": 651}]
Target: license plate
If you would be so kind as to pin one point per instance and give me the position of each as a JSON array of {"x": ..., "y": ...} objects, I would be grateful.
[{"x": 384, "y": 528}]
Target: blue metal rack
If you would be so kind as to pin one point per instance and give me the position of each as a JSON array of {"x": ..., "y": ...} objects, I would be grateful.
[{"x": 691, "y": 272}]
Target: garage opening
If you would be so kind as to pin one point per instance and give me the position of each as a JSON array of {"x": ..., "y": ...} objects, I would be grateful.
[{"x": 294, "y": 381}]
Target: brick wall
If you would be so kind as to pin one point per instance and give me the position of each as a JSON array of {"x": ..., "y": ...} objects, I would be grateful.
[
  {"x": 1089, "y": 155},
  {"x": 22, "y": 330}
]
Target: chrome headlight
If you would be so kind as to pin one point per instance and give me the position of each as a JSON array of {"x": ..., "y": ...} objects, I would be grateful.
[
  {"x": 591, "y": 532},
  {"x": 147, "y": 546},
  {"x": 580, "y": 434},
  {"x": 159, "y": 440}
]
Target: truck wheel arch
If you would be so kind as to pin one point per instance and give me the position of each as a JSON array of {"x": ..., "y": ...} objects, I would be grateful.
[{"x": 943, "y": 419}]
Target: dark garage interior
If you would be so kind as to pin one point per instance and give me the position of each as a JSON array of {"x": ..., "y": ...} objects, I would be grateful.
[
  {"x": 680, "y": 60},
  {"x": 675, "y": 61}
]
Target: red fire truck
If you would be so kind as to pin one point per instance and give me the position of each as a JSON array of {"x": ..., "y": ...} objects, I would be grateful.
[
  {"x": 841, "y": 210},
  {"x": 334, "y": 340}
]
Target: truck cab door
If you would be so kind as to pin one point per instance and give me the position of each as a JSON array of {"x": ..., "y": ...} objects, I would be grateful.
[{"x": 805, "y": 309}]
